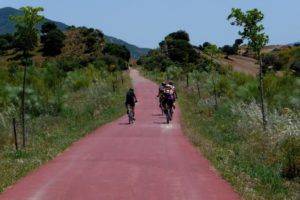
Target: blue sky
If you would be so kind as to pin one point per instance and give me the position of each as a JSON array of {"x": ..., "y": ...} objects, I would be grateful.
[{"x": 146, "y": 22}]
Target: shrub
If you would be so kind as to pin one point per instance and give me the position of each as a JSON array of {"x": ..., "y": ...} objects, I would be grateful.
[
  {"x": 76, "y": 80},
  {"x": 117, "y": 50},
  {"x": 100, "y": 64},
  {"x": 68, "y": 64},
  {"x": 296, "y": 67},
  {"x": 173, "y": 73},
  {"x": 53, "y": 75},
  {"x": 290, "y": 148}
]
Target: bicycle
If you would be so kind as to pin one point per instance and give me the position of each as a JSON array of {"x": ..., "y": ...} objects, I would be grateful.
[{"x": 168, "y": 110}]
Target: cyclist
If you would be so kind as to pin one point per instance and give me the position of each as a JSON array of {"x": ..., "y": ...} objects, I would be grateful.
[
  {"x": 173, "y": 92},
  {"x": 161, "y": 89},
  {"x": 130, "y": 101},
  {"x": 161, "y": 94},
  {"x": 168, "y": 98}
]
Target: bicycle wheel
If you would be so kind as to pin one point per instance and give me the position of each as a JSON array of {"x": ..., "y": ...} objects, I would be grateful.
[
  {"x": 167, "y": 112},
  {"x": 171, "y": 113},
  {"x": 130, "y": 116},
  {"x": 168, "y": 118}
]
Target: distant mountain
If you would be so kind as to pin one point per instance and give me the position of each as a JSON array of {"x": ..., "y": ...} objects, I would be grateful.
[
  {"x": 135, "y": 51},
  {"x": 6, "y": 26}
]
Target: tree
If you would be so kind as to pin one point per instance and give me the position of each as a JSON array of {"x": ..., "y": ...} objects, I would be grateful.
[
  {"x": 3, "y": 45},
  {"x": 180, "y": 35},
  {"x": 252, "y": 30},
  {"x": 237, "y": 45},
  {"x": 228, "y": 50},
  {"x": 177, "y": 48},
  {"x": 117, "y": 50},
  {"x": 205, "y": 44},
  {"x": 27, "y": 38},
  {"x": 93, "y": 39},
  {"x": 52, "y": 39},
  {"x": 47, "y": 27},
  {"x": 26, "y": 34},
  {"x": 213, "y": 52},
  {"x": 6, "y": 42}
]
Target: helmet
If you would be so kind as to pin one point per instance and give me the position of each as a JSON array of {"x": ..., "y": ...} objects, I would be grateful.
[
  {"x": 171, "y": 83},
  {"x": 163, "y": 84},
  {"x": 131, "y": 90},
  {"x": 168, "y": 86}
]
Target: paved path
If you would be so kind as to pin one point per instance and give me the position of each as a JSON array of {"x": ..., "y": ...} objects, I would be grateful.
[{"x": 147, "y": 160}]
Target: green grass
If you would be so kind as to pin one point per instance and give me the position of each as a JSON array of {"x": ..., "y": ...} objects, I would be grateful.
[
  {"x": 239, "y": 159},
  {"x": 84, "y": 111}
]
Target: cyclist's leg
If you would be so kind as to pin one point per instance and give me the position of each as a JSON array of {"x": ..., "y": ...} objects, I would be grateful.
[{"x": 127, "y": 107}]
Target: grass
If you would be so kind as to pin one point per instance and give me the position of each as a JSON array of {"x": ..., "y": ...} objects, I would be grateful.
[
  {"x": 240, "y": 159},
  {"x": 84, "y": 111}
]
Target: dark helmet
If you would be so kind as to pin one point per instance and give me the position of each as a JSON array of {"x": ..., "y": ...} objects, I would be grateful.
[
  {"x": 171, "y": 83},
  {"x": 131, "y": 90},
  {"x": 163, "y": 84}
]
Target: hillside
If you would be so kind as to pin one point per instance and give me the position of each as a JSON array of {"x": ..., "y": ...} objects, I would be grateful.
[
  {"x": 6, "y": 26},
  {"x": 135, "y": 51}
]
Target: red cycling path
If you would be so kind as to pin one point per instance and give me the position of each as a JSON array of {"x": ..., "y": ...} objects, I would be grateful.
[{"x": 146, "y": 160}]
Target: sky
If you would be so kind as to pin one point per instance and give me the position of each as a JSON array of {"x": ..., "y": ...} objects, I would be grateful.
[{"x": 146, "y": 22}]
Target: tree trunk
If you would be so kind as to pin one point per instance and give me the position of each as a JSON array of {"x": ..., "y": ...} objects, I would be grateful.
[
  {"x": 261, "y": 91},
  {"x": 23, "y": 105},
  {"x": 15, "y": 133}
]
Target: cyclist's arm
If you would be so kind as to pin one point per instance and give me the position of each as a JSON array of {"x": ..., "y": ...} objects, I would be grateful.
[{"x": 159, "y": 92}]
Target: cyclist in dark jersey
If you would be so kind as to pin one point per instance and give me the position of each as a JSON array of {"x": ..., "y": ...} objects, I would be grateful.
[
  {"x": 130, "y": 100},
  {"x": 161, "y": 94}
]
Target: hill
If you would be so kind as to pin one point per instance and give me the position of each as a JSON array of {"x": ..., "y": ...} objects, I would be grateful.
[
  {"x": 6, "y": 26},
  {"x": 135, "y": 51}
]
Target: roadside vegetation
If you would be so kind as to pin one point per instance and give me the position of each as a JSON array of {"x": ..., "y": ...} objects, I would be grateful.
[
  {"x": 256, "y": 149},
  {"x": 55, "y": 87}
]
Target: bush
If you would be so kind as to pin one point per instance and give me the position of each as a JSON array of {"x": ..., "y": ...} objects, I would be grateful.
[
  {"x": 100, "y": 64},
  {"x": 68, "y": 64},
  {"x": 290, "y": 148},
  {"x": 76, "y": 80},
  {"x": 117, "y": 50},
  {"x": 53, "y": 75},
  {"x": 173, "y": 73},
  {"x": 296, "y": 67}
]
